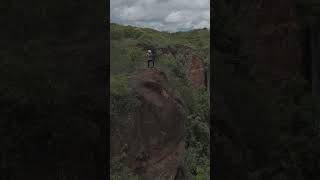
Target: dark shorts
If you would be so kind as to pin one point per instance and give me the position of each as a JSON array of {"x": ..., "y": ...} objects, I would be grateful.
[{"x": 151, "y": 62}]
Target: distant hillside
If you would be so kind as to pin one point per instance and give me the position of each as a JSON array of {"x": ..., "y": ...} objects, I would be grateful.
[{"x": 128, "y": 45}]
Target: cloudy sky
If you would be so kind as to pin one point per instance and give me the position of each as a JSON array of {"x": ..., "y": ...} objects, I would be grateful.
[{"x": 163, "y": 15}]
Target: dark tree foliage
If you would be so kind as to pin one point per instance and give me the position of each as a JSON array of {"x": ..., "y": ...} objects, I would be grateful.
[
  {"x": 53, "y": 92},
  {"x": 270, "y": 128}
]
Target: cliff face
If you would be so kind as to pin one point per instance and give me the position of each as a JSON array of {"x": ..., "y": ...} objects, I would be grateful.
[
  {"x": 155, "y": 139},
  {"x": 157, "y": 147},
  {"x": 195, "y": 70}
]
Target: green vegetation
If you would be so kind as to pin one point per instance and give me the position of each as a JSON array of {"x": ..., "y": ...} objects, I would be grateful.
[
  {"x": 118, "y": 171},
  {"x": 127, "y": 56},
  {"x": 198, "y": 136}
]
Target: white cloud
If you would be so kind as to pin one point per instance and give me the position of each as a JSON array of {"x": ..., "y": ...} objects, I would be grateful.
[
  {"x": 164, "y": 15},
  {"x": 202, "y": 24},
  {"x": 175, "y": 17}
]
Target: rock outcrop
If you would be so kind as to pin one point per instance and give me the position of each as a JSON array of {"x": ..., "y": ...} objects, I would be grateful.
[
  {"x": 195, "y": 68},
  {"x": 195, "y": 71},
  {"x": 156, "y": 142}
]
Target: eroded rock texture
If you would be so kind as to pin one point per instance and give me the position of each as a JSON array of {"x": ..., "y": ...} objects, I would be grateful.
[
  {"x": 195, "y": 71},
  {"x": 156, "y": 145}
]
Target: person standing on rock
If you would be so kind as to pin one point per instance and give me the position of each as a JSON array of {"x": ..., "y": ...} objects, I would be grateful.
[{"x": 150, "y": 58}]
